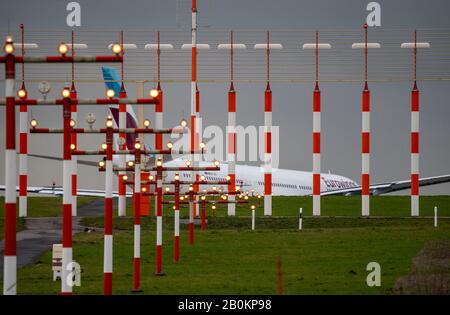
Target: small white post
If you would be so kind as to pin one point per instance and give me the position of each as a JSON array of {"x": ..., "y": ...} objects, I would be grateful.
[
  {"x": 253, "y": 219},
  {"x": 300, "y": 219},
  {"x": 435, "y": 217}
]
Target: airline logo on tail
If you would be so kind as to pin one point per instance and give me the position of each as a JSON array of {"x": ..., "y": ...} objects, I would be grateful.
[{"x": 112, "y": 81}]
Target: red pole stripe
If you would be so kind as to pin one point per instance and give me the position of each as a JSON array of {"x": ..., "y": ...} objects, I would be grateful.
[
  {"x": 23, "y": 143},
  {"x": 365, "y": 184},
  {"x": 10, "y": 229},
  {"x": 414, "y": 142},
  {"x": 365, "y": 142},
  {"x": 316, "y": 184},
  {"x": 194, "y": 63},
  {"x": 137, "y": 273},
  {"x": 316, "y": 142},
  {"x": 415, "y": 184},
  {"x": 268, "y": 146},
  {"x": 232, "y": 185},
  {"x": 74, "y": 185},
  {"x": 67, "y": 225},
  {"x": 317, "y": 101},
  {"x": 107, "y": 283},
  {"x": 23, "y": 185},
  {"x": 232, "y": 101},
  {"x": 268, "y": 101},
  {"x": 121, "y": 186},
  {"x": 415, "y": 100},
  {"x": 366, "y": 101},
  {"x": 268, "y": 184},
  {"x": 108, "y": 216}
]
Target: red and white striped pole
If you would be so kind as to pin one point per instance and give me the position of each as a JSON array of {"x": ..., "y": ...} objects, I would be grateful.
[
  {"x": 232, "y": 134},
  {"x": 316, "y": 137},
  {"x": 23, "y": 144},
  {"x": 108, "y": 237},
  {"x": 195, "y": 102},
  {"x": 176, "y": 245},
  {"x": 74, "y": 141},
  {"x": 159, "y": 218},
  {"x": 191, "y": 216},
  {"x": 122, "y": 204},
  {"x": 137, "y": 220},
  {"x": 365, "y": 152},
  {"x": 23, "y": 160},
  {"x": 415, "y": 98},
  {"x": 74, "y": 116},
  {"x": 10, "y": 258},
  {"x": 203, "y": 212},
  {"x": 122, "y": 188},
  {"x": 268, "y": 138},
  {"x": 66, "y": 288},
  {"x": 159, "y": 109}
]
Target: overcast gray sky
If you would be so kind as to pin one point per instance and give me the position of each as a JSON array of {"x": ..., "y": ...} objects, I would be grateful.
[{"x": 292, "y": 101}]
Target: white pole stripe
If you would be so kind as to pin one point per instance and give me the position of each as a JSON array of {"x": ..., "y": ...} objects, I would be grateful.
[
  {"x": 177, "y": 223},
  {"x": 365, "y": 163},
  {"x": 108, "y": 252},
  {"x": 137, "y": 241},
  {"x": 159, "y": 230},
  {"x": 316, "y": 122},
  {"x": 316, "y": 163},
  {"x": 366, "y": 122}
]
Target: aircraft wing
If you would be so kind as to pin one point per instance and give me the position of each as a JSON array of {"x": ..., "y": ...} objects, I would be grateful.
[
  {"x": 58, "y": 191},
  {"x": 385, "y": 188},
  {"x": 88, "y": 163}
]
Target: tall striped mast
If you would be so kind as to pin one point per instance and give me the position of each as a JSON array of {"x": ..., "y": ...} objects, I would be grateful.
[
  {"x": 74, "y": 141},
  {"x": 316, "y": 136},
  {"x": 137, "y": 219},
  {"x": 108, "y": 227},
  {"x": 122, "y": 204},
  {"x": 23, "y": 143},
  {"x": 232, "y": 133},
  {"x": 268, "y": 137},
  {"x": 66, "y": 289},
  {"x": 10, "y": 257},
  {"x": 194, "y": 113},
  {"x": 415, "y": 98},
  {"x": 365, "y": 134}
]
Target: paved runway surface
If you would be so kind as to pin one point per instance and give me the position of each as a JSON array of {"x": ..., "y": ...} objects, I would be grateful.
[{"x": 41, "y": 233}]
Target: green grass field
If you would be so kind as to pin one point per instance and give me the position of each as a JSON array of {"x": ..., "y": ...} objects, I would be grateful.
[
  {"x": 39, "y": 207},
  {"x": 329, "y": 256},
  {"x": 391, "y": 206}
]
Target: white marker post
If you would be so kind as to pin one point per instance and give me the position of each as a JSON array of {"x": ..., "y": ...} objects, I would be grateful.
[
  {"x": 253, "y": 217},
  {"x": 435, "y": 217},
  {"x": 300, "y": 219}
]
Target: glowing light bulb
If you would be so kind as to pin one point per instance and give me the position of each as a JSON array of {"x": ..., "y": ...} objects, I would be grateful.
[
  {"x": 116, "y": 48},
  {"x": 110, "y": 93},
  {"x": 154, "y": 93},
  {"x": 63, "y": 49}
]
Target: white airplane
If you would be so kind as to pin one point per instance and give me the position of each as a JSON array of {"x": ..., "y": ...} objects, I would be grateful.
[{"x": 249, "y": 178}]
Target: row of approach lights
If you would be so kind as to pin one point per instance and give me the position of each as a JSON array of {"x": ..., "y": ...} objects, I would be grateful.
[
  {"x": 159, "y": 162},
  {"x": 63, "y": 48},
  {"x": 109, "y": 123},
  {"x": 65, "y": 93},
  {"x": 117, "y": 48}
]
